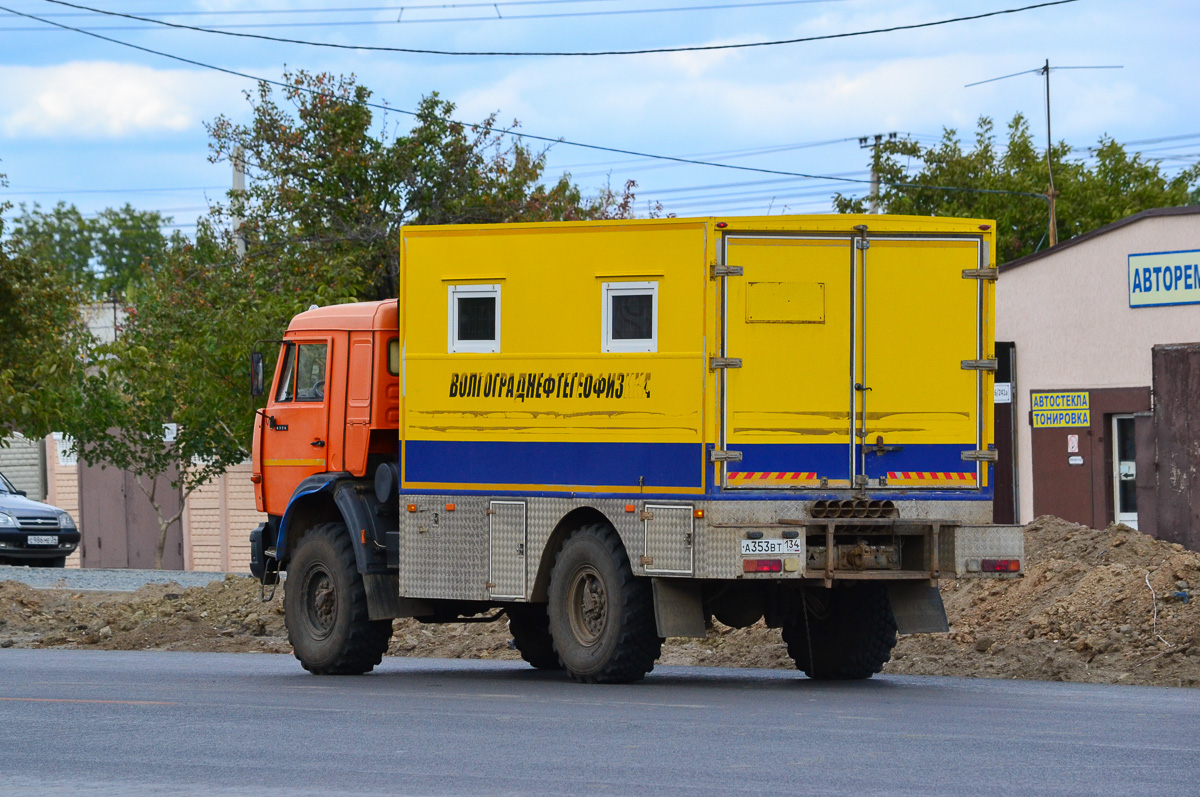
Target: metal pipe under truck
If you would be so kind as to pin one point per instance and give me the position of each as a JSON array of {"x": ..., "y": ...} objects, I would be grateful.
[{"x": 612, "y": 432}]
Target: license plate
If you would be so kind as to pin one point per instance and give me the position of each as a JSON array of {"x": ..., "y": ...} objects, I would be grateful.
[
  {"x": 772, "y": 546},
  {"x": 41, "y": 539}
]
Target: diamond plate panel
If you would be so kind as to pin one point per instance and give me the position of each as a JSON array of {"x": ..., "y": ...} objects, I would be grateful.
[
  {"x": 449, "y": 554},
  {"x": 444, "y": 554},
  {"x": 980, "y": 542},
  {"x": 669, "y": 539},
  {"x": 507, "y": 550}
]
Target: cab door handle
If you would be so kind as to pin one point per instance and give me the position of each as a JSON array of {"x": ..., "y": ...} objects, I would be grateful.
[{"x": 318, "y": 443}]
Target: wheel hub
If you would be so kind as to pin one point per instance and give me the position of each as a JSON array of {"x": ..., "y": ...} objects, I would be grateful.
[
  {"x": 320, "y": 601},
  {"x": 587, "y": 605}
]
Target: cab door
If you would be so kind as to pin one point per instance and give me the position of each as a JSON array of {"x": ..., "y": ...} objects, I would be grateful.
[
  {"x": 919, "y": 367},
  {"x": 295, "y": 423},
  {"x": 788, "y": 320}
]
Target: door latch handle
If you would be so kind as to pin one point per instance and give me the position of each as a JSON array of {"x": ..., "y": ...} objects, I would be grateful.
[
  {"x": 318, "y": 443},
  {"x": 858, "y": 386},
  {"x": 880, "y": 448}
]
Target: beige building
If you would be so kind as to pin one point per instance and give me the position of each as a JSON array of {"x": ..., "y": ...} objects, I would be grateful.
[{"x": 1089, "y": 388}]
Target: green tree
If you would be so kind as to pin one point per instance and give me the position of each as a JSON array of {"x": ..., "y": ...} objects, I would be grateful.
[
  {"x": 42, "y": 333},
  {"x": 327, "y": 187},
  {"x": 1116, "y": 185},
  {"x": 179, "y": 360},
  {"x": 322, "y": 213},
  {"x": 101, "y": 253}
]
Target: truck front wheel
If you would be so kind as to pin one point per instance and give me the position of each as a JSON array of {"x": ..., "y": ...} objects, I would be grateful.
[
  {"x": 325, "y": 607},
  {"x": 601, "y": 617},
  {"x": 842, "y": 634}
]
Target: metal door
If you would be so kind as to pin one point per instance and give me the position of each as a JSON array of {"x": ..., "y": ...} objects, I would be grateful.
[
  {"x": 919, "y": 363},
  {"x": 787, "y": 329},
  {"x": 506, "y": 549},
  {"x": 669, "y": 545},
  {"x": 1124, "y": 470},
  {"x": 851, "y": 362},
  {"x": 295, "y": 422}
]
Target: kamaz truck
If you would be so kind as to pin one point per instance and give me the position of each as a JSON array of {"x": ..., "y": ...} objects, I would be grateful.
[{"x": 609, "y": 433}]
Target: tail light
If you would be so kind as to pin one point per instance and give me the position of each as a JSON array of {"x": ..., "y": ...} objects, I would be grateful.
[
  {"x": 762, "y": 565},
  {"x": 1000, "y": 565}
]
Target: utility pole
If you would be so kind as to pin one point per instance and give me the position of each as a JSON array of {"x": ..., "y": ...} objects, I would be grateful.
[
  {"x": 1052, "y": 195},
  {"x": 864, "y": 142},
  {"x": 239, "y": 194}
]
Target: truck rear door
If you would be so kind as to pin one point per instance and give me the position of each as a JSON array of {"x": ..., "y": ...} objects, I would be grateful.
[
  {"x": 852, "y": 356},
  {"x": 918, "y": 409}
]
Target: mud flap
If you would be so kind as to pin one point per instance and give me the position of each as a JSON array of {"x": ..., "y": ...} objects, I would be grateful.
[
  {"x": 678, "y": 608},
  {"x": 917, "y": 607},
  {"x": 384, "y": 601}
]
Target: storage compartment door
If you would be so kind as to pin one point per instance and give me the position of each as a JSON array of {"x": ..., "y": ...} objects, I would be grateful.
[
  {"x": 669, "y": 541},
  {"x": 506, "y": 549},
  {"x": 917, "y": 406},
  {"x": 788, "y": 319}
]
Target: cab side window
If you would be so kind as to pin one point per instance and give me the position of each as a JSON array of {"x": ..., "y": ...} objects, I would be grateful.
[
  {"x": 310, "y": 372},
  {"x": 302, "y": 377}
]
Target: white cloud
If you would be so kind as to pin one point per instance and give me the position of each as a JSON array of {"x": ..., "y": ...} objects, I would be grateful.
[{"x": 102, "y": 99}]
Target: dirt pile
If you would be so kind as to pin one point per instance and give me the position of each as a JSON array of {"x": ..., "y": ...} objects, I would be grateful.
[{"x": 1112, "y": 606}]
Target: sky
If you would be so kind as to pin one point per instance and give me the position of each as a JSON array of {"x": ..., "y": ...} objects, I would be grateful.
[{"x": 98, "y": 124}]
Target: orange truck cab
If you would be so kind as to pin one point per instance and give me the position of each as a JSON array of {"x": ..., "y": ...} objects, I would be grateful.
[{"x": 328, "y": 431}]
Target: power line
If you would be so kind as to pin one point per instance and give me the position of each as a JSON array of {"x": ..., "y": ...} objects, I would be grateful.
[
  {"x": 73, "y": 191},
  {"x": 513, "y": 133},
  {"x": 337, "y": 10},
  {"x": 497, "y": 17},
  {"x": 692, "y": 48}
]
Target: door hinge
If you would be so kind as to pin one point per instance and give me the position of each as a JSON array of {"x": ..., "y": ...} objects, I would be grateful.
[
  {"x": 726, "y": 271},
  {"x": 980, "y": 365},
  {"x": 981, "y": 273},
  {"x": 725, "y": 362},
  {"x": 717, "y": 455},
  {"x": 985, "y": 455}
]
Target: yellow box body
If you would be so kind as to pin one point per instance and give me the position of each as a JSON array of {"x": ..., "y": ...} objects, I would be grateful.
[{"x": 850, "y": 352}]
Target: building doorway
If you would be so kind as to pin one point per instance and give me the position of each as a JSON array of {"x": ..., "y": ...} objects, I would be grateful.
[{"x": 1124, "y": 471}]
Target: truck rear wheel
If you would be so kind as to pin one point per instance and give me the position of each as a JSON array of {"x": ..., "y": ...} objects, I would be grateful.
[
  {"x": 601, "y": 617},
  {"x": 842, "y": 634},
  {"x": 325, "y": 607},
  {"x": 530, "y": 627}
]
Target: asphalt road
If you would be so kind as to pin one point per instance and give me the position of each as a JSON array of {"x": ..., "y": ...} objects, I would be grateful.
[{"x": 94, "y": 722}]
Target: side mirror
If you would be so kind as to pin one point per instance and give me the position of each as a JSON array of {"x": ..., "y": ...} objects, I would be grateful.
[
  {"x": 256, "y": 373},
  {"x": 22, "y": 493}
]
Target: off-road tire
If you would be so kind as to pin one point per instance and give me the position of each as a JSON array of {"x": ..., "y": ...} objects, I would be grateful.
[
  {"x": 530, "y": 628},
  {"x": 325, "y": 607},
  {"x": 601, "y": 617},
  {"x": 851, "y": 640}
]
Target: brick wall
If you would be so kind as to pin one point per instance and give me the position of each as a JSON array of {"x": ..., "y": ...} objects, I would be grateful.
[
  {"x": 62, "y": 483},
  {"x": 217, "y": 523}
]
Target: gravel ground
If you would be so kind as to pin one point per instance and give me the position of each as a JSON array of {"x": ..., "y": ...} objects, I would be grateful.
[{"x": 95, "y": 579}]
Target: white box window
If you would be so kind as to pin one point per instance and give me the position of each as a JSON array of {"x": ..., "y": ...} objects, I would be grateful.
[
  {"x": 630, "y": 313},
  {"x": 474, "y": 318}
]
